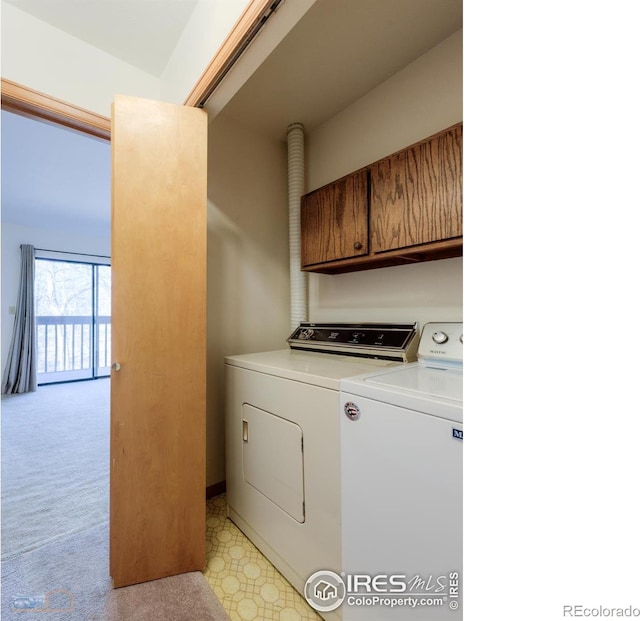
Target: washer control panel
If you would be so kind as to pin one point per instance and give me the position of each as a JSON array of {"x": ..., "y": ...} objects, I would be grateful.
[{"x": 441, "y": 341}]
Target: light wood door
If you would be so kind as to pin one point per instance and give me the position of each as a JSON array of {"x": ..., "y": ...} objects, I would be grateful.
[
  {"x": 334, "y": 220},
  {"x": 416, "y": 194},
  {"x": 159, "y": 182}
]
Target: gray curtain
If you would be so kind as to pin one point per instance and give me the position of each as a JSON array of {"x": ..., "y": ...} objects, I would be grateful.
[{"x": 20, "y": 373}]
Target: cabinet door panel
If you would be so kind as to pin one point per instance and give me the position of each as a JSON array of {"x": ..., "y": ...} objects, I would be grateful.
[
  {"x": 416, "y": 195},
  {"x": 334, "y": 220}
]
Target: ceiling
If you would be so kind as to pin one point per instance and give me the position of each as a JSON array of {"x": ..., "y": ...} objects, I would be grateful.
[
  {"x": 143, "y": 33},
  {"x": 339, "y": 51}
]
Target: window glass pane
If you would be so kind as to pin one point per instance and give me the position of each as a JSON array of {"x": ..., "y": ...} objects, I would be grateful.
[
  {"x": 103, "y": 320},
  {"x": 63, "y": 288},
  {"x": 104, "y": 290}
]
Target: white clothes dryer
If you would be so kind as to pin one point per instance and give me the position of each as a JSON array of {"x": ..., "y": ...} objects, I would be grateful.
[{"x": 283, "y": 468}]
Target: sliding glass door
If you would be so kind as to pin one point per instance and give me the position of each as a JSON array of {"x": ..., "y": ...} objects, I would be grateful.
[{"x": 73, "y": 320}]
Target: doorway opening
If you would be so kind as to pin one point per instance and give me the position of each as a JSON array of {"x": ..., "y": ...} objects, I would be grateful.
[{"x": 73, "y": 320}]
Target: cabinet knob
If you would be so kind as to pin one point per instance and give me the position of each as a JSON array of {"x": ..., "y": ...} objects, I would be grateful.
[
  {"x": 357, "y": 246},
  {"x": 115, "y": 366}
]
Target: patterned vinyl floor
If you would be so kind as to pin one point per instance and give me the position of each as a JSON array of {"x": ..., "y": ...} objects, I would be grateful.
[{"x": 247, "y": 585}]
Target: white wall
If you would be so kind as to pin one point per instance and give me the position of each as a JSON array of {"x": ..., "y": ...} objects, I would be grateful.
[
  {"x": 208, "y": 27},
  {"x": 418, "y": 101},
  {"x": 15, "y": 234},
  {"x": 53, "y": 62},
  {"x": 248, "y": 261}
]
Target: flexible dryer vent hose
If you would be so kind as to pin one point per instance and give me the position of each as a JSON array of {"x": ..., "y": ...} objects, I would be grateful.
[{"x": 298, "y": 278}]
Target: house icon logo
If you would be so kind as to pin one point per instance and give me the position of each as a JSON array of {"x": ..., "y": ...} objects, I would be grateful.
[{"x": 325, "y": 591}]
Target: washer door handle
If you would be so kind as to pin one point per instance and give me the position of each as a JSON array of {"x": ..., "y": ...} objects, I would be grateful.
[{"x": 245, "y": 431}]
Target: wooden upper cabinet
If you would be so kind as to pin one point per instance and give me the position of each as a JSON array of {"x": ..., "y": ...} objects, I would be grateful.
[
  {"x": 334, "y": 220},
  {"x": 416, "y": 194},
  {"x": 404, "y": 208}
]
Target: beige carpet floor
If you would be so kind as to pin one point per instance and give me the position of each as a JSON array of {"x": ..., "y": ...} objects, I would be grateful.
[
  {"x": 55, "y": 464},
  {"x": 55, "y": 554},
  {"x": 73, "y": 575}
]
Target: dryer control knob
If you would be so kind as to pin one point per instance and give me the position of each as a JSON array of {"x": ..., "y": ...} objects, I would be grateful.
[{"x": 440, "y": 337}]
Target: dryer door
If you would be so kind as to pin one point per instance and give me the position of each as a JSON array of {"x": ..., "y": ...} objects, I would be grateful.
[{"x": 272, "y": 459}]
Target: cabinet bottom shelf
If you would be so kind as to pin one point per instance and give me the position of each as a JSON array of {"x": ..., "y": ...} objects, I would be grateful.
[{"x": 435, "y": 251}]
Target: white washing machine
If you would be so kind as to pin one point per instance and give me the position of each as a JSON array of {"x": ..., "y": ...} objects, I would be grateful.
[
  {"x": 401, "y": 442},
  {"x": 283, "y": 439}
]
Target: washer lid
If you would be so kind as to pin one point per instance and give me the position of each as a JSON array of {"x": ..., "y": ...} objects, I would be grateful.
[
  {"x": 423, "y": 380},
  {"x": 436, "y": 391}
]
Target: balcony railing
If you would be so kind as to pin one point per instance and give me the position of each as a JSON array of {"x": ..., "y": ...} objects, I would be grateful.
[{"x": 66, "y": 347}]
